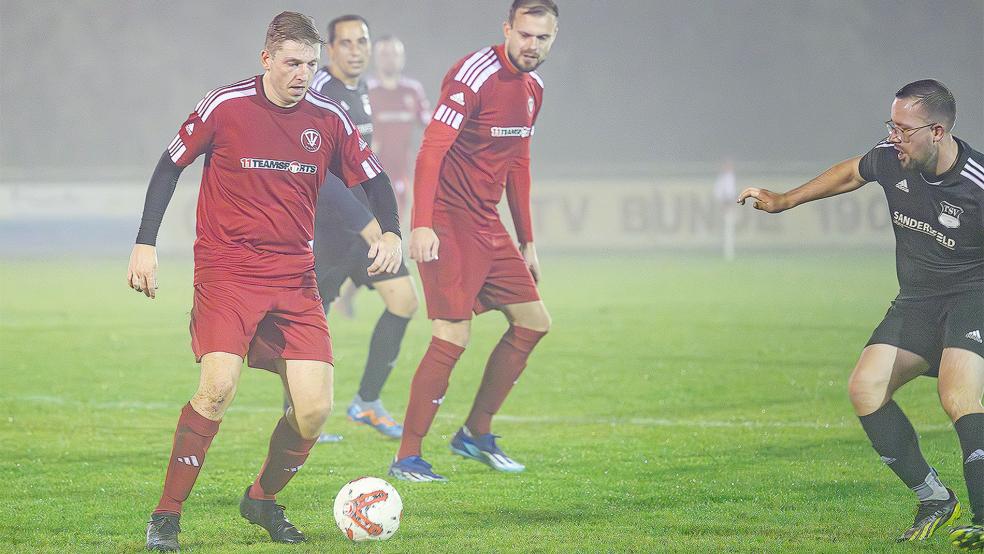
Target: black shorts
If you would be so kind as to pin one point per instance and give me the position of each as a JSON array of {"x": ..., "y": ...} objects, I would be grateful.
[
  {"x": 335, "y": 261},
  {"x": 925, "y": 326}
]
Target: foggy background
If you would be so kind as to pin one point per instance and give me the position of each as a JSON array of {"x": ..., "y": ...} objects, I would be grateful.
[{"x": 643, "y": 102}]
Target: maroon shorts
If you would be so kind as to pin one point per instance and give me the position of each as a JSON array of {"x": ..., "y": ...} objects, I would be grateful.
[
  {"x": 265, "y": 323},
  {"x": 476, "y": 270}
]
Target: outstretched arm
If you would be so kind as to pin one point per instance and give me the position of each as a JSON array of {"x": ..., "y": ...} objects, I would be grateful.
[
  {"x": 141, "y": 274},
  {"x": 841, "y": 178}
]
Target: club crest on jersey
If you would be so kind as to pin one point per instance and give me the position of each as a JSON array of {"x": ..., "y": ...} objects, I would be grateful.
[
  {"x": 530, "y": 104},
  {"x": 189, "y": 128},
  {"x": 950, "y": 215},
  {"x": 278, "y": 165},
  {"x": 365, "y": 104},
  {"x": 311, "y": 140}
]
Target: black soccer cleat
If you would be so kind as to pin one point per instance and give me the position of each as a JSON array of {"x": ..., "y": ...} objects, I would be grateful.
[
  {"x": 930, "y": 516},
  {"x": 270, "y": 516},
  {"x": 970, "y": 537},
  {"x": 162, "y": 532}
]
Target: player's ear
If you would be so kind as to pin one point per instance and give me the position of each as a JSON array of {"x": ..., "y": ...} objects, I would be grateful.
[
  {"x": 265, "y": 60},
  {"x": 505, "y": 29}
]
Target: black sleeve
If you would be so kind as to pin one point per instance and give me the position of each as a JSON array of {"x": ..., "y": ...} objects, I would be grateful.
[
  {"x": 341, "y": 202},
  {"x": 382, "y": 201},
  {"x": 159, "y": 193},
  {"x": 868, "y": 168}
]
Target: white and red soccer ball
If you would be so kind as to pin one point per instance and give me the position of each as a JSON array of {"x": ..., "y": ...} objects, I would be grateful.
[{"x": 368, "y": 509}]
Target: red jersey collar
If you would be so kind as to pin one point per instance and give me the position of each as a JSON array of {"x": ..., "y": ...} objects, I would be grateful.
[
  {"x": 500, "y": 50},
  {"x": 261, "y": 99}
]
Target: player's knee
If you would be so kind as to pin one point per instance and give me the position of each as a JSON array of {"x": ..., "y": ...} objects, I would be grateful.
[
  {"x": 311, "y": 417},
  {"x": 455, "y": 335},
  {"x": 867, "y": 393},
  {"x": 212, "y": 399},
  {"x": 957, "y": 402},
  {"x": 404, "y": 306},
  {"x": 539, "y": 321}
]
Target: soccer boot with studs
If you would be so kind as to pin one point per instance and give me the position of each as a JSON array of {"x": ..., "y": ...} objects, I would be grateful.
[
  {"x": 930, "y": 516},
  {"x": 270, "y": 516}
]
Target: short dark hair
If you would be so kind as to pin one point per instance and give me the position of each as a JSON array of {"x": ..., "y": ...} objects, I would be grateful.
[
  {"x": 291, "y": 26},
  {"x": 935, "y": 98},
  {"x": 342, "y": 19},
  {"x": 533, "y": 7}
]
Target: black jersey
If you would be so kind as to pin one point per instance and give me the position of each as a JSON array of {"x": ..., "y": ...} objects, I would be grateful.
[
  {"x": 338, "y": 219},
  {"x": 938, "y": 221},
  {"x": 355, "y": 100}
]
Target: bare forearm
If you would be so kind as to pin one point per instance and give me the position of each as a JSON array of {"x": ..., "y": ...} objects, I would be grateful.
[{"x": 842, "y": 177}]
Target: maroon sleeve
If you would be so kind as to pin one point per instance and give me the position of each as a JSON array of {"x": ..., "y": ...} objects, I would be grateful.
[
  {"x": 518, "y": 194},
  {"x": 456, "y": 104},
  {"x": 352, "y": 160},
  {"x": 194, "y": 136}
]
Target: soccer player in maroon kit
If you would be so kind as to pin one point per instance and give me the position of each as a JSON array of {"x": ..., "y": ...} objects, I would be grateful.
[
  {"x": 268, "y": 145},
  {"x": 399, "y": 107},
  {"x": 478, "y": 144}
]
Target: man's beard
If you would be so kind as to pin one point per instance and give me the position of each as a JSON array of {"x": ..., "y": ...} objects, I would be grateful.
[{"x": 539, "y": 62}]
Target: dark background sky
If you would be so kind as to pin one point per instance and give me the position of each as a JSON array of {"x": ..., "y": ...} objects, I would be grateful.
[{"x": 95, "y": 90}]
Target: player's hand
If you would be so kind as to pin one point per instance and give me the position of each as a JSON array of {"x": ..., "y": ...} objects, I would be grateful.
[
  {"x": 386, "y": 254},
  {"x": 423, "y": 244},
  {"x": 371, "y": 233},
  {"x": 765, "y": 200},
  {"x": 532, "y": 262},
  {"x": 141, "y": 275}
]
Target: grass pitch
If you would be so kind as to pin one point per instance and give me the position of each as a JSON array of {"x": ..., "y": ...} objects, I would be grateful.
[{"x": 679, "y": 405}]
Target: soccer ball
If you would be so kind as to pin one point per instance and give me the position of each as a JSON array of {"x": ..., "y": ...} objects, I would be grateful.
[{"x": 368, "y": 509}]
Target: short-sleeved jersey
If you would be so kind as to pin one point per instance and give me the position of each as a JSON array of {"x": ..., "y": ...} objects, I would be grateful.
[
  {"x": 481, "y": 133},
  {"x": 938, "y": 223},
  {"x": 396, "y": 113},
  {"x": 263, "y": 167}
]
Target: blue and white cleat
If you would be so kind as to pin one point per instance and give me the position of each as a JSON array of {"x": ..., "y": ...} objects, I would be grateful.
[
  {"x": 414, "y": 469},
  {"x": 484, "y": 449},
  {"x": 374, "y": 415}
]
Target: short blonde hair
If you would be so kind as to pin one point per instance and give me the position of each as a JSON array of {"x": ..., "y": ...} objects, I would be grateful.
[{"x": 291, "y": 26}]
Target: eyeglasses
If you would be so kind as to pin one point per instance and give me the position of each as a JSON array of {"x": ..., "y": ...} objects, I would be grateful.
[{"x": 903, "y": 133}]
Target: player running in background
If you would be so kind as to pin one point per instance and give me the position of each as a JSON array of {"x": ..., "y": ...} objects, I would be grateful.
[
  {"x": 399, "y": 108},
  {"x": 342, "y": 230},
  {"x": 268, "y": 145},
  {"x": 934, "y": 183},
  {"x": 725, "y": 189},
  {"x": 477, "y": 145}
]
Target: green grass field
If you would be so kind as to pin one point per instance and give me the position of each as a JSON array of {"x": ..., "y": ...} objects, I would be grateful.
[{"x": 679, "y": 405}]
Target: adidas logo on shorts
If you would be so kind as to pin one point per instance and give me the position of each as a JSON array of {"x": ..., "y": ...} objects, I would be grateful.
[{"x": 975, "y": 335}]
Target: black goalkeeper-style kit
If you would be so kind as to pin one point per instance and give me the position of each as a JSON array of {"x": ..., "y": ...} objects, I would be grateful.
[{"x": 939, "y": 234}]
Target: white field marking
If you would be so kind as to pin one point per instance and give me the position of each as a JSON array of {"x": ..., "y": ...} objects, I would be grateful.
[{"x": 556, "y": 420}]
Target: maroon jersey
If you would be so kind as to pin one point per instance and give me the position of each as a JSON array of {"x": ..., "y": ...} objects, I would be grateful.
[
  {"x": 263, "y": 167},
  {"x": 478, "y": 144},
  {"x": 396, "y": 113}
]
